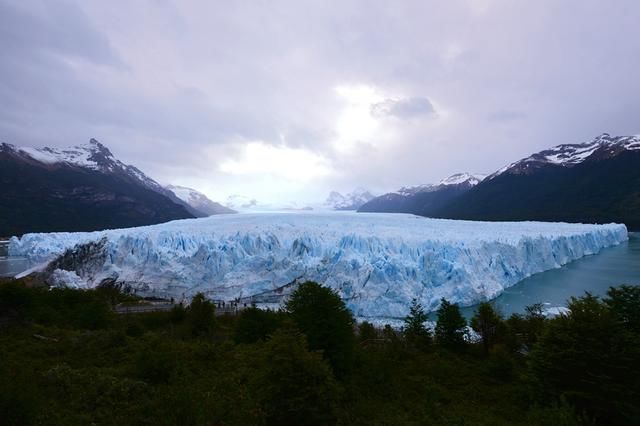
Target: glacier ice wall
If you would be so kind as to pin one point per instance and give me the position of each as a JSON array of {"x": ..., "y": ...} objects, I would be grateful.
[{"x": 376, "y": 262}]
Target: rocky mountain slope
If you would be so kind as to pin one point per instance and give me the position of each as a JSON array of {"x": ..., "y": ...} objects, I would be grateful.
[
  {"x": 423, "y": 200},
  {"x": 593, "y": 182},
  {"x": 82, "y": 188}
]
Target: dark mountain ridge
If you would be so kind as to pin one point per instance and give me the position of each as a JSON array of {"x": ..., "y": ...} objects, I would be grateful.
[
  {"x": 593, "y": 182},
  {"x": 424, "y": 200},
  {"x": 604, "y": 186},
  {"x": 83, "y": 188}
]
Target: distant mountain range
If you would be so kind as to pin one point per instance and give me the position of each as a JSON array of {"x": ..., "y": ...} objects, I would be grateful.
[
  {"x": 86, "y": 188},
  {"x": 241, "y": 202},
  {"x": 593, "y": 182},
  {"x": 82, "y": 188},
  {"x": 198, "y": 201},
  {"x": 423, "y": 200},
  {"x": 335, "y": 201},
  {"x": 351, "y": 201}
]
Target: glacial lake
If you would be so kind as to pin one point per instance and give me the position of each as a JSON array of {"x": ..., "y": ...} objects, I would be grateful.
[
  {"x": 10, "y": 266},
  {"x": 612, "y": 266}
]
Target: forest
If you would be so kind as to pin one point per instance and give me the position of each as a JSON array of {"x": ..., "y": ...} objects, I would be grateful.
[{"x": 67, "y": 357}]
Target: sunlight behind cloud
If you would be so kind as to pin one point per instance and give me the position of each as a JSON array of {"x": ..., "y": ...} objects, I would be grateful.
[
  {"x": 259, "y": 158},
  {"x": 355, "y": 124}
]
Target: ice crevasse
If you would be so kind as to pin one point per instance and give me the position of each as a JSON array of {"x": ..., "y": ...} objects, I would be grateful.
[{"x": 376, "y": 262}]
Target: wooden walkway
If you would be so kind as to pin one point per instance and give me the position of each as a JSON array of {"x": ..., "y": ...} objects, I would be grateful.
[
  {"x": 226, "y": 309},
  {"x": 141, "y": 308}
]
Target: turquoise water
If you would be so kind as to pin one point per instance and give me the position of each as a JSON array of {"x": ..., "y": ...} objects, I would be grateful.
[
  {"x": 611, "y": 267},
  {"x": 10, "y": 266}
]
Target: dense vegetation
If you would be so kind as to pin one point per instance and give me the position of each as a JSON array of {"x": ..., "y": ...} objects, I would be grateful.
[{"x": 67, "y": 358}]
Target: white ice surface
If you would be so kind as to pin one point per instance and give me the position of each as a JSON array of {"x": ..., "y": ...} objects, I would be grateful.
[{"x": 376, "y": 262}]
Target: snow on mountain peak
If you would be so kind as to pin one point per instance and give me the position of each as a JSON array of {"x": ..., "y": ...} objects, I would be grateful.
[
  {"x": 198, "y": 200},
  {"x": 188, "y": 195},
  {"x": 410, "y": 190},
  {"x": 92, "y": 155},
  {"x": 455, "y": 179},
  {"x": 241, "y": 202},
  {"x": 351, "y": 201},
  {"x": 458, "y": 178},
  {"x": 567, "y": 155}
]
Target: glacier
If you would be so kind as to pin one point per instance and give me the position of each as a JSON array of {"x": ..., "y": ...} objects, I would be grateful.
[{"x": 376, "y": 262}]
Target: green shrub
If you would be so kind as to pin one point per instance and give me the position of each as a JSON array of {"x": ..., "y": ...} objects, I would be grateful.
[
  {"x": 255, "y": 324},
  {"x": 326, "y": 322},
  {"x": 451, "y": 326}
]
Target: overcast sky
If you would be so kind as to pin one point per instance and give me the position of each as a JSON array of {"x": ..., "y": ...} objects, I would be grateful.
[{"x": 286, "y": 100}]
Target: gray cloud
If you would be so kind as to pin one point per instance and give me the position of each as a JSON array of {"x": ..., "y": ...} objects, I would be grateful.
[
  {"x": 179, "y": 87},
  {"x": 506, "y": 116},
  {"x": 403, "y": 108},
  {"x": 45, "y": 29}
]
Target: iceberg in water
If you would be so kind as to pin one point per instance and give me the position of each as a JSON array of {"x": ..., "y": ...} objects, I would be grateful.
[{"x": 376, "y": 262}]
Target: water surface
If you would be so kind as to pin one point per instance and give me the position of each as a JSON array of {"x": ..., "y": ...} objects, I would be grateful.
[
  {"x": 10, "y": 266},
  {"x": 611, "y": 267}
]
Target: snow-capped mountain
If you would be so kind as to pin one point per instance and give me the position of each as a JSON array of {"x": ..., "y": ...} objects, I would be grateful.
[
  {"x": 376, "y": 262},
  {"x": 80, "y": 188},
  {"x": 351, "y": 201},
  {"x": 463, "y": 178},
  {"x": 593, "y": 182},
  {"x": 240, "y": 202},
  {"x": 466, "y": 179},
  {"x": 96, "y": 156},
  {"x": 423, "y": 199},
  {"x": 198, "y": 200},
  {"x": 247, "y": 204},
  {"x": 568, "y": 155},
  {"x": 93, "y": 156}
]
